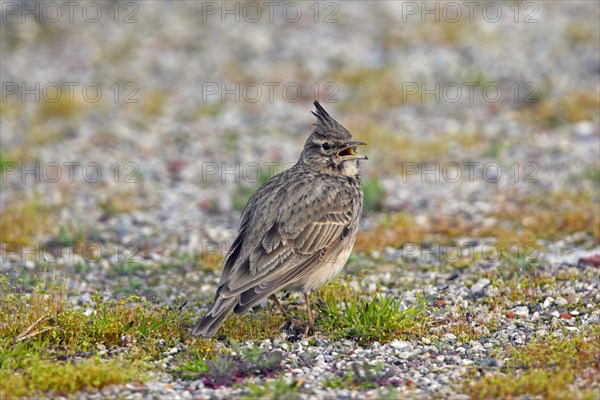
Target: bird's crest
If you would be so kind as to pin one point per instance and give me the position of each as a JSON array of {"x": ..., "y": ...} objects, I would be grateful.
[{"x": 327, "y": 126}]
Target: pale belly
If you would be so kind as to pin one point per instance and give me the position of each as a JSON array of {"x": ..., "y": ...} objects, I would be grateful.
[
  {"x": 325, "y": 274},
  {"x": 326, "y": 271}
]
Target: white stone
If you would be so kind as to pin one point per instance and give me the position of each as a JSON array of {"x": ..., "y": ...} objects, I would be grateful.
[
  {"x": 449, "y": 337},
  {"x": 561, "y": 301},
  {"x": 521, "y": 311},
  {"x": 584, "y": 129},
  {"x": 593, "y": 319},
  {"x": 548, "y": 302},
  {"x": 400, "y": 344},
  {"x": 475, "y": 345},
  {"x": 480, "y": 285}
]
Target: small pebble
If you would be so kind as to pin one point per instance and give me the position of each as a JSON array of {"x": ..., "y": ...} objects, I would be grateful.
[
  {"x": 522, "y": 311},
  {"x": 561, "y": 301}
]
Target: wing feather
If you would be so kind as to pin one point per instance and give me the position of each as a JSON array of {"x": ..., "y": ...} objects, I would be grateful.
[
  {"x": 255, "y": 294},
  {"x": 307, "y": 237},
  {"x": 275, "y": 249}
]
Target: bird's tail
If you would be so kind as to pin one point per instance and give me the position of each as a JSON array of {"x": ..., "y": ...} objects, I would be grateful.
[{"x": 213, "y": 319}]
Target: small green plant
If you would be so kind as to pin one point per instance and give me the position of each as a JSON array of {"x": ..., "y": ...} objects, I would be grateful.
[
  {"x": 374, "y": 194},
  {"x": 379, "y": 318},
  {"x": 227, "y": 369},
  {"x": 259, "y": 359},
  {"x": 273, "y": 389},
  {"x": 129, "y": 267},
  {"x": 365, "y": 376},
  {"x": 64, "y": 239},
  {"x": 591, "y": 172},
  {"x": 193, "y": 367}
]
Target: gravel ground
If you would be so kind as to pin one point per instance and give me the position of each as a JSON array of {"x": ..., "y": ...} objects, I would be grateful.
[
  {"x": 416, "y": 368},
  {"x": 187, "y": 159}
]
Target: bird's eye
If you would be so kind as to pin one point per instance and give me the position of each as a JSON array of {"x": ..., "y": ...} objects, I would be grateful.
[{"x": 326, "y": 146}]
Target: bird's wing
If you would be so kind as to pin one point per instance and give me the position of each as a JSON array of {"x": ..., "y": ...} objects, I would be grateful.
[{"x": 295, "y": 240}]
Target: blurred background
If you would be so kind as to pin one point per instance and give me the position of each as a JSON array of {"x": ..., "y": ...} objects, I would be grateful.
[{"x": 142, "y": 128}]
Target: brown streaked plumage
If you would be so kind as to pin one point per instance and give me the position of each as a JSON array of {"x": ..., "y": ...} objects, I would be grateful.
[{"x": 297, "y": 230}]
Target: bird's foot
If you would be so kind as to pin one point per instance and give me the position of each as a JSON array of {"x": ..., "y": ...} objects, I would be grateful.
[
  {"x": 292, "y": 325},
  {"x": 309, "y": 328}
]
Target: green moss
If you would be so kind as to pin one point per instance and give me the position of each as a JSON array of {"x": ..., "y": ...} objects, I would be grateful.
[
  {"x": 23, "y": 220},
  {"x": 580, "y": 33},
  {"x": 7, "y": 162},
  {"x": 571, "y": 108},
  {"x": 546, "y": 367},
  {"x": 35, "y": 377},
  {"x": 591, "y": 173},
  {"x": 124, "y": 201},
  {"x": 153, "y": 102},
  {"x": 524, "y": 219},
  {"x": 49, "y": 329},
  {"x": 273, "y": 389},
  {"x": 258, "y": 325},
  {"x": 46, "y": 316},
  {"x": 63, "y": 108},
  {"x": 209, "y": 109}
]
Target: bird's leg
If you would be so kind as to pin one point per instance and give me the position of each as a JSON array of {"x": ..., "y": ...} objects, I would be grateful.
[
  {"x": 289, "y": 320},
  {"x": 311, "y": 321},
  {"x": 278, "y": 304}
]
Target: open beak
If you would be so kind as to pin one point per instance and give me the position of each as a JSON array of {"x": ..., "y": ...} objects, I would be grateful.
[{"x": 349, "y": 152}]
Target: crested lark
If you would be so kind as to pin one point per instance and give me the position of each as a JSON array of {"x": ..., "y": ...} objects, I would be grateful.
[{"x": 297, "y": 229}]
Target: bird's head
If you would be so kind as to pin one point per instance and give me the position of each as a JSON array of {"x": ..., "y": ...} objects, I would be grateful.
[{"x": 330, "y": 148}]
